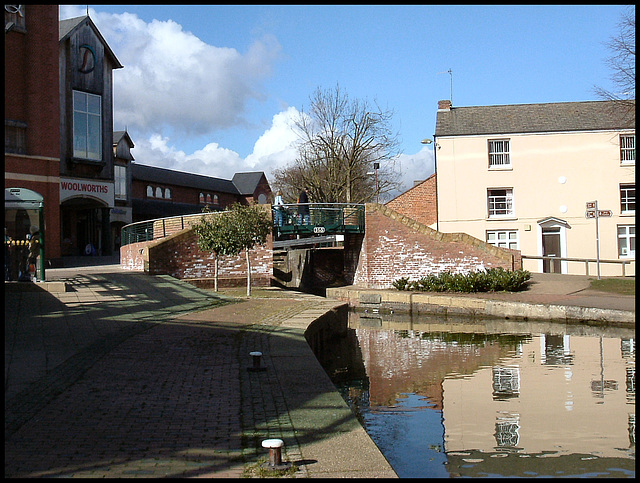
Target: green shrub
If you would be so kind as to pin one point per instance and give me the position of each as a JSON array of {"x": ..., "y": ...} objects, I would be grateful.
[
  {"x": 401, "y": 283},
  {"x": 490, "y": 280}
]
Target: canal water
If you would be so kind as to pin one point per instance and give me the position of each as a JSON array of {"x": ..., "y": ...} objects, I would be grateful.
[{"x": 447, "y": 397}]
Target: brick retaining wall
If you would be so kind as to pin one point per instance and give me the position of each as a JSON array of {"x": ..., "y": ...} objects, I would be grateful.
[
  {"x": 178, "y": 255},
  {"x": 396, "y": 246}
]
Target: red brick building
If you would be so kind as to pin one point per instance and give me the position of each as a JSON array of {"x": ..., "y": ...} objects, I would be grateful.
[
  {"x": 32, "y": 120},
  {"x": 60, "y": 144},
  {"x": 160, "y": 192},
  {"x": 419, "y": 202}
]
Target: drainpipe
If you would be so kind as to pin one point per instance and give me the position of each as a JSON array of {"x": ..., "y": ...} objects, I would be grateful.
[{"x": 435, "y": 172}]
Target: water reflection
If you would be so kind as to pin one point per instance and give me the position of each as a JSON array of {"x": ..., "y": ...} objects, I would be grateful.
[{"x": 454, "y": 397}]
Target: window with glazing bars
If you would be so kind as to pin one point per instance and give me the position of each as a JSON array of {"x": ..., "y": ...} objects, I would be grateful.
[
  {"x": 627, "y": 198},
  {"x": 87, "y": 126},
  {"x": 627, "y": 241},
  {"x": 627, "y": 149},
  {"x": 499, "y": 153},
  {"x": 500, "y": 202},
  {"x": 120, "y": 181},
  {"x": 503, "y": 238}
]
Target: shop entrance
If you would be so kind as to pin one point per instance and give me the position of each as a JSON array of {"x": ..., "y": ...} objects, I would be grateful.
[{"x": 85, "y": 228}]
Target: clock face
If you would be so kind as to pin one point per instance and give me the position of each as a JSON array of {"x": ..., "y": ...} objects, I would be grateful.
[{"x": 88, "y": 59}]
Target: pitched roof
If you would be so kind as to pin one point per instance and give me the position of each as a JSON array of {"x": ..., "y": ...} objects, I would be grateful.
[
  {"x": 67, "y": 26},
  {"x": 247, "y": 182},
  {"x": 530, "y": 118},
  {"x": 165, "y": 176},
  {"x": 118, "y": 135}
]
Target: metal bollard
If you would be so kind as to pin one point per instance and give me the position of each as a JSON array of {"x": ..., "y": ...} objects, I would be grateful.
[
  {"x": 275, "y": 454},
  {"x": 257, "y": 366}
]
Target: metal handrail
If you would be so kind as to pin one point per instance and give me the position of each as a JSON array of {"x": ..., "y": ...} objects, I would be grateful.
[
  {"x": 328, "y": 215},
  {"x": 157, "y": 228},
  {"x": 586, "y": 261}
]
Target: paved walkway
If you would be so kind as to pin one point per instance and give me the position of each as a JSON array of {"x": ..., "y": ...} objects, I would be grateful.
[{"x": 128, "y": 375}]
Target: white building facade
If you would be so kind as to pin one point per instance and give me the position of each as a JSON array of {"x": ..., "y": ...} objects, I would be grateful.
[{"x": 551, "y": 180}]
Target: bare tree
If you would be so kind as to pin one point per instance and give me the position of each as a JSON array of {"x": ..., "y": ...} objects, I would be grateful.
[
  {"x": 340, "y": 142},
  {"x": 623, "y": 62}
]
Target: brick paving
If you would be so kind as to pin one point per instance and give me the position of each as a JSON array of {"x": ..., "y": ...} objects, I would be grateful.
[
  {"x": 146, "y": 391},
  {"x": 128, "y": 375}
]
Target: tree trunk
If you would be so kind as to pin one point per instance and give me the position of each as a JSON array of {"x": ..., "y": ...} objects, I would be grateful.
[
  {"x": 215, "y": 275},
  {"x": 248, "y": 274}
]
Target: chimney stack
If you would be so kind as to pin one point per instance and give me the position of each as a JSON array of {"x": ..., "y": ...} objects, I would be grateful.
[{"x": 444, "y": 105}]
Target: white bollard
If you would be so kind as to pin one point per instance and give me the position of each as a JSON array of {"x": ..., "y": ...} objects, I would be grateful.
[
  {"x": 257, "y": 366},
  {"x": 275, "y": 454}
]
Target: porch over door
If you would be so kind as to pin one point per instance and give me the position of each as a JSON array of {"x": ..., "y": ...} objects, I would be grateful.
[{"x": 551, "y": 248}]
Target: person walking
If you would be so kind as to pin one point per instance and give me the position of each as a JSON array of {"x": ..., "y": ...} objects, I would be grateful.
[
  {"x": 278, "y": 207},
  {"x": 34, "y": 253},
  {"x": 303, "y": 207}
]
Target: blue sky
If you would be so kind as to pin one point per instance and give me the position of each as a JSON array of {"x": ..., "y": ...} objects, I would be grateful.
[{"x": 213, "y": 89}]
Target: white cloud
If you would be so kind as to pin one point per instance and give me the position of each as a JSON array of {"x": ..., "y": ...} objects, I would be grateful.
[
  {"x": 172, "y": 78},
  {"x": 274, "y": 149},
  {"x": 173, "y": 82},
  {"x": 174, "y": 87},
  {"x": 414, "y": 167}
]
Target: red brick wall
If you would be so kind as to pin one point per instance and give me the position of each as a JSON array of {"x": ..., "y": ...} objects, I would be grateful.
[
  {"x": 32, "y": 96},
  {"x": 178, "y": 255},
  {"x": 180, "y": 194},
  {"x": 419, "y": 202},
  {"x": 396, "y": 246}
]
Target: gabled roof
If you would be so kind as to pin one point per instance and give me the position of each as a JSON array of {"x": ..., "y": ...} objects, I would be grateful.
[
  {"x": 552, "y": 220},
  {"x": 166, "y": 176},
  {"x": 247, "y": 182},
  {"x": 118, "y": 135},
  {"x": 530, "y": 118},
  {"x": 68, "y": 26}
]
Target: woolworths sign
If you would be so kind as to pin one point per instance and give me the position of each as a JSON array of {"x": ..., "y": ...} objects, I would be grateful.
[{"x": 85, "y": 188}]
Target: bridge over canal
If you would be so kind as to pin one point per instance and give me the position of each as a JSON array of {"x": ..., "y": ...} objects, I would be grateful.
[{"x": 315, "y": 244}]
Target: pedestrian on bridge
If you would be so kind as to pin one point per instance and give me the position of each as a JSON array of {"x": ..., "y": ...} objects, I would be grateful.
[
  {"x": 303, "y": 207},
  {"x": 278, "y": 207}
]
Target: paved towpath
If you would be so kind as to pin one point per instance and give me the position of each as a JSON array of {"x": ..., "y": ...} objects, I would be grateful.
[{"x": 128, "y": 375}]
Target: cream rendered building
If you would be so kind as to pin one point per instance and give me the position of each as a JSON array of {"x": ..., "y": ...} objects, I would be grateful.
[{"x": 524, "y": 176}]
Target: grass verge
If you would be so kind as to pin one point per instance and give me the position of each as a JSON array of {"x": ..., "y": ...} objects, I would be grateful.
[{"x": 621, "y": 286}]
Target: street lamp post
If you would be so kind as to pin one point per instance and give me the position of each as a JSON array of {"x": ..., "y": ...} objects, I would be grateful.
[
  {"x": 376, "y": 167},
  {"x": 435, "y": 172}
]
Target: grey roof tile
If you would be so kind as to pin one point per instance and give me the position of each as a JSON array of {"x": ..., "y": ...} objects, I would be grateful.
[
  {"x": 170, "y": 177},
  {"x": 530, "y": 118},
  {"x": 247, "y": 182}
]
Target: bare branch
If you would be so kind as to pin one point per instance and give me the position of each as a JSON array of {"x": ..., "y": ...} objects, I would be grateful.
[{"x": 339, "y": 141}]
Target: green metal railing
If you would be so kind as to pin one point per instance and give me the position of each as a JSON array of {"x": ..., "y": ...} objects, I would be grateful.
[
  {"x": 149, "y": 230},
  {"x": 322, "y": 218}
]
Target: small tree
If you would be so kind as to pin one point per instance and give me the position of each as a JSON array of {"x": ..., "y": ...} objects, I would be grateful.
[
  {"x": 215, "y": 235},
  {"x": 251, "y": 226},
  {"x": 230, "y": 232}
]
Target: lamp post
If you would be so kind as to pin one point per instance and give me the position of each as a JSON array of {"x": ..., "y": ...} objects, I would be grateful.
[
  {"x": 435, "y": 172},
  {"x": 376, "y": 167}
]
